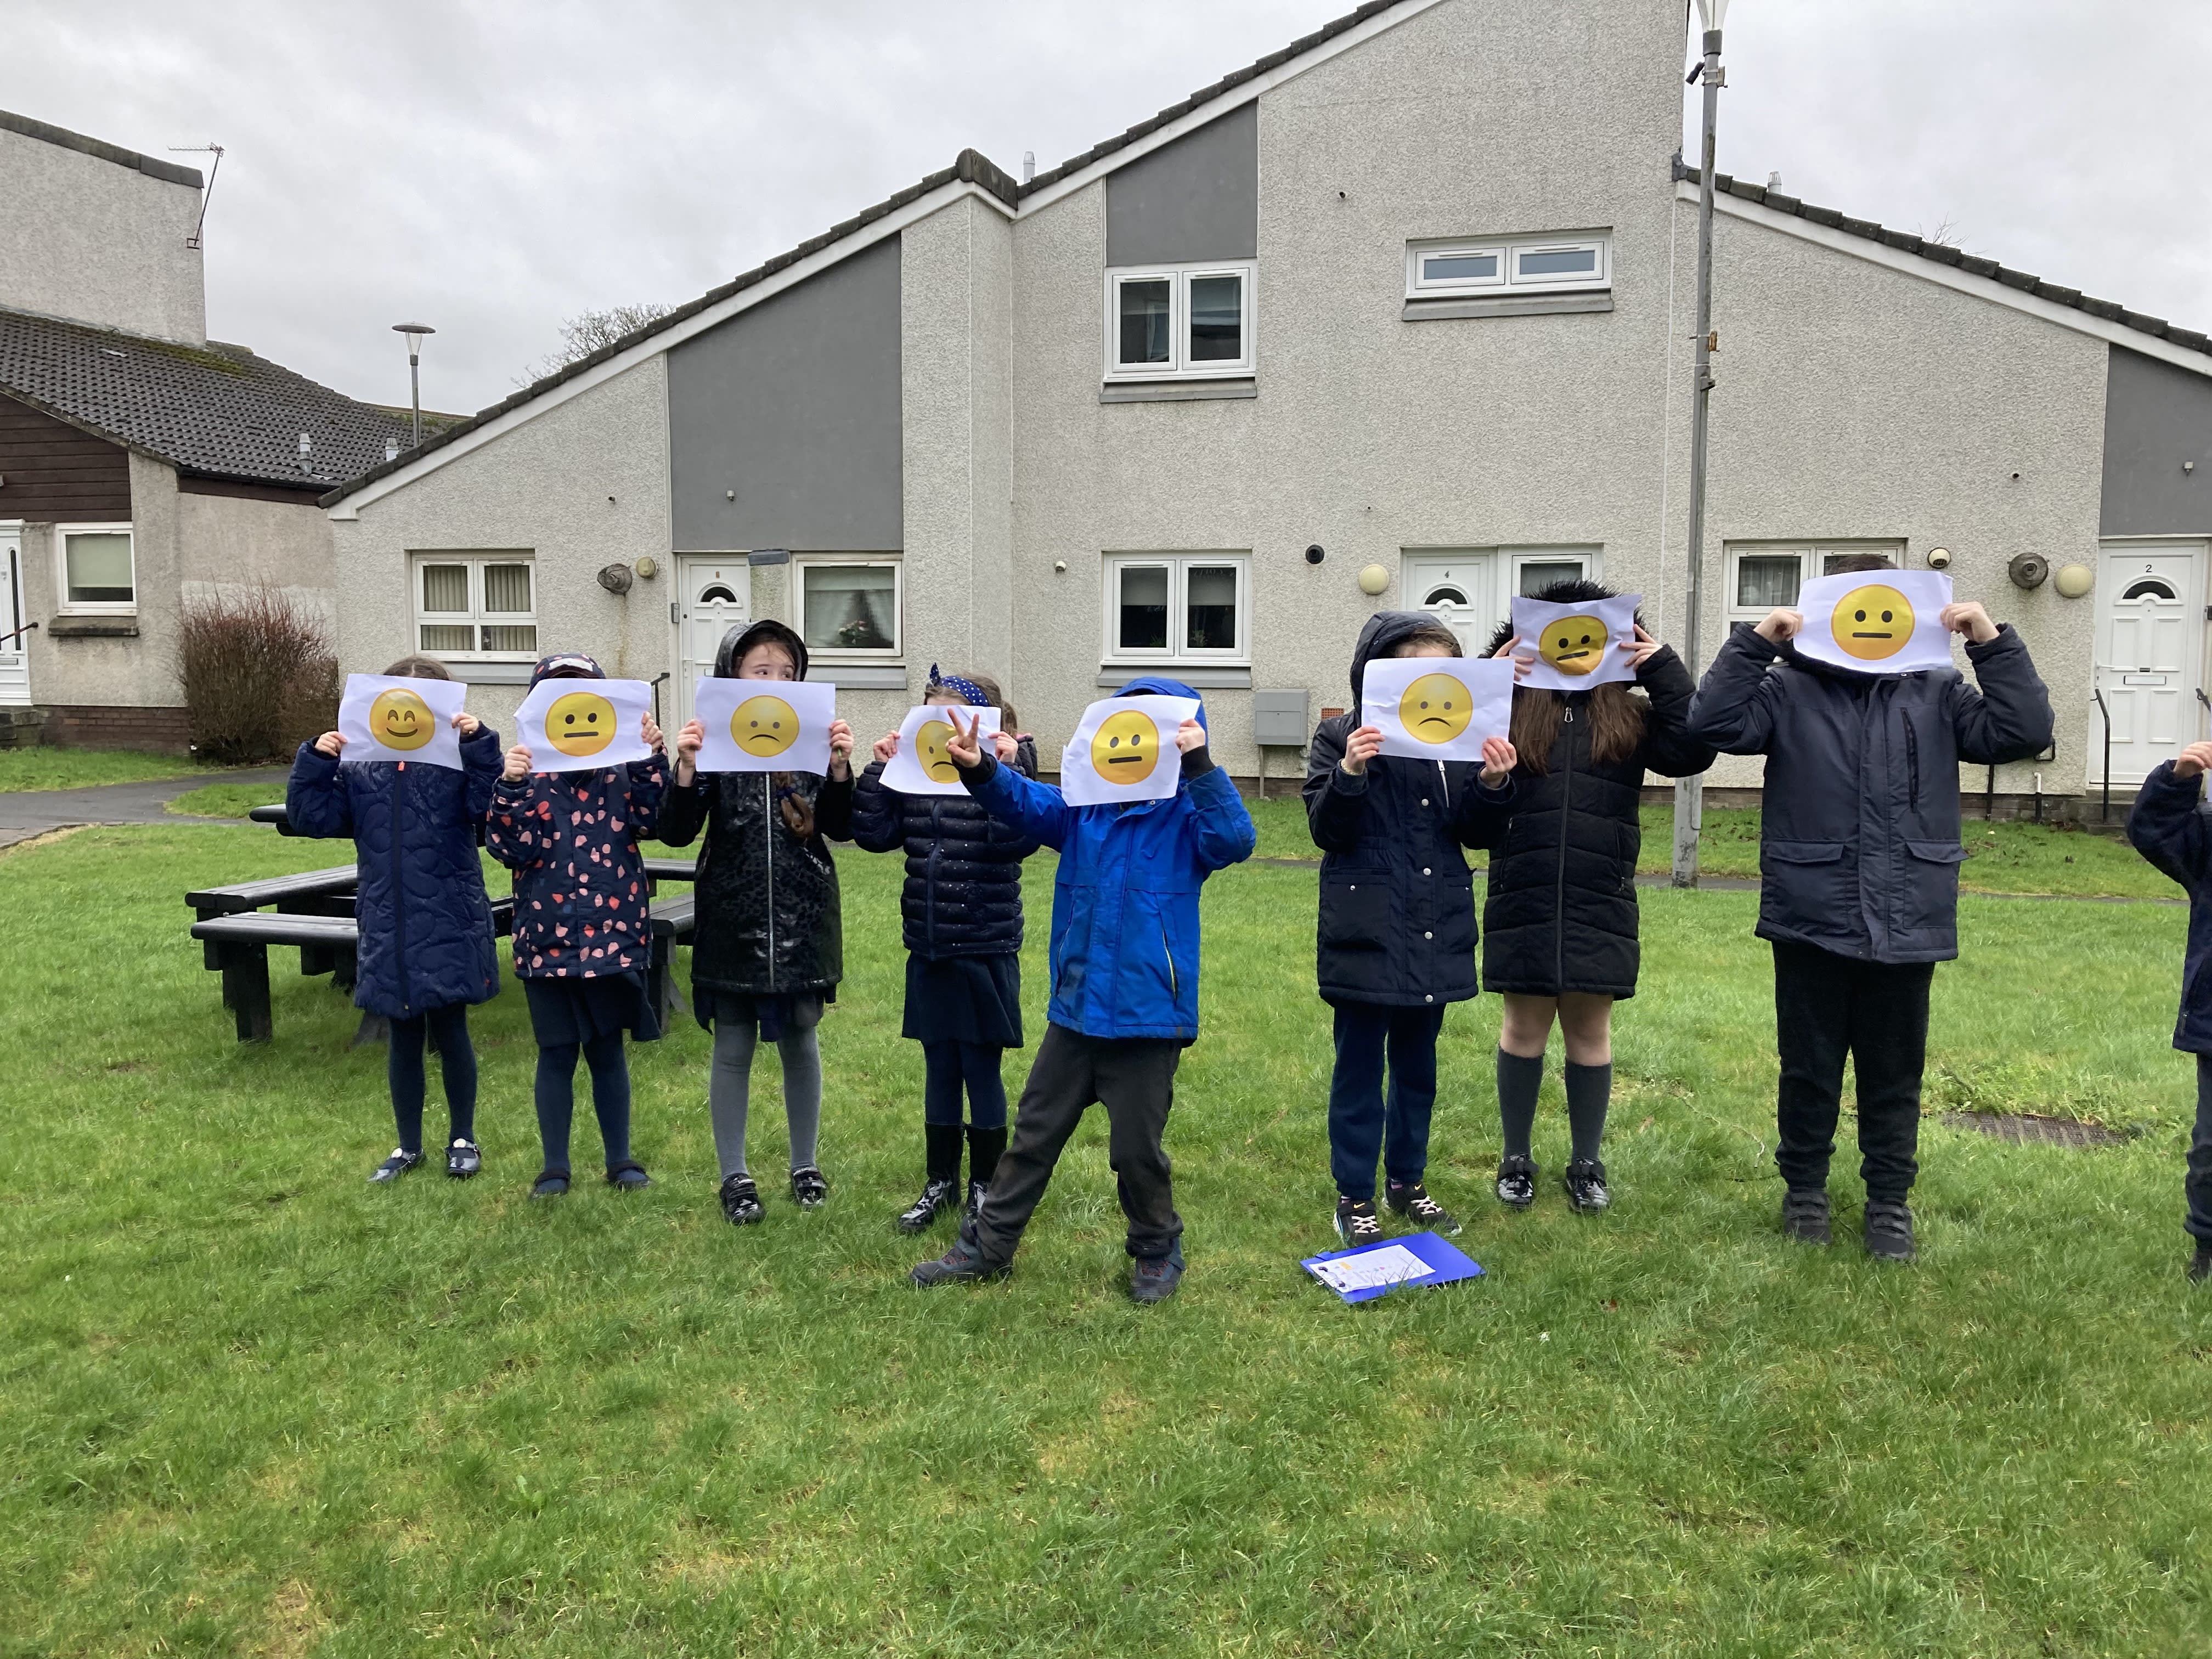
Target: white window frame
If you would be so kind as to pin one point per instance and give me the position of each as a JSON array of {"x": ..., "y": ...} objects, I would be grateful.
[
  {"x": 802, "y": 563},
  {"x": 67, "y": 607},
  {"x": 1180, "y": 366},
  {"x": 476, "y": 619},
  {"x": 1178, "y": 564},
  {"x": 1509, "y": 251},
  {"x": 1812, "y": 561}
]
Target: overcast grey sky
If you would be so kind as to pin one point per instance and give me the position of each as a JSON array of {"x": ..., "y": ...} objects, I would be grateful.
[{"x": 491, "y": 166}]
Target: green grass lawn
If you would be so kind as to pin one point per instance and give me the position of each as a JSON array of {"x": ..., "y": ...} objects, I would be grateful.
[
  {"x": 80, "y": 768},
  {"x": 226, "y": 801},
  {"x": 253, "y": 1405}
]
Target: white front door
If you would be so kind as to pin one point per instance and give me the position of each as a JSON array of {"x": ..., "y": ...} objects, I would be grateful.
[
  {"x": 14, "y": 645},
  {"x": 1459, "y": 590},
  {"x": 2150, "y": 649},
  {"x": 715, "y": 593}
]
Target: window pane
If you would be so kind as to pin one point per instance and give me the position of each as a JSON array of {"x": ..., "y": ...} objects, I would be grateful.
[
  {"x": 510, "y": 638},
  {"x": 1144, "y": 336},
  {"x": 1212, "y": 595},
  {"x": 1535, "y": 577},
  {"x": 99, "y": 567},
  {"x": 1765, "y": 580},
  {"x": 1459, "y": 267},
  {"x": 850, "y": 607},
  {"x": 507, "y": 589},
  {"x": 1144, "y": 607},
  {"x": 446, "y": 590},
  {"x": 1217, "y": 319},
  {"x": 440, "y": 638},
  {"x": 1831, "y": 563},
  {"x": 1559, "y": 262}
]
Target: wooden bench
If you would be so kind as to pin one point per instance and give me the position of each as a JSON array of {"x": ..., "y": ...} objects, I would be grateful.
[
  {"x": 314, "y": 893},
  {"x": 671, "y": 923},
  {"x": 274, "y": 814}
]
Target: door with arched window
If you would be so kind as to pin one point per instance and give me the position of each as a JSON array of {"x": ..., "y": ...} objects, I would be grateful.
[
  {"x": 713, "y": 593},
  {"x": 2150, "y": 648}
]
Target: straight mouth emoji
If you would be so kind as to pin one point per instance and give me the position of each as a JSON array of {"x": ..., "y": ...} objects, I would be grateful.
[
  {"x": 1573, "y": 645},
  {"x": 1125, "y": 747},
  {"x": 1872, "y": 622},
  {"x": 581, "y": 723}
]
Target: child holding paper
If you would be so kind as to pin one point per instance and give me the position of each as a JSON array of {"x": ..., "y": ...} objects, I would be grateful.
[
  {"x": 426, "y": 950},
  {"x": 1560, "y": 919},
  {"x": 961, "y": 915},
  {"x": 582, "y": 930},
  {"x": 1125, "y": 938},
  {"x": 1859, "y": 858},
  {"x": 1397, "y": 929},
  {"x": 769, "y": 944}
]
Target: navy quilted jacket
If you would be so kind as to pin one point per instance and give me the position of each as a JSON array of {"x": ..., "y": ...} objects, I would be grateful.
[
  {"x": 2171, "y": 827},
  {"x": 580, "y": 903},
  {"x": 963, "y": 868},
  {"x": 426, "y": 930}
]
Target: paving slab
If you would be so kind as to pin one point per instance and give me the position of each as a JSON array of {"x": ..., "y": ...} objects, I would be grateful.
[{"x": 25, "y": 814}]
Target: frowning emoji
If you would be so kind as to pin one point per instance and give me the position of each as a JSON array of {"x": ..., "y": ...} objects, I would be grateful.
[
  {"x": 1125, "y": 747},
  {"x": 1573, "y": 645},
  {"x": 764, "y": 725},
  {"x": 1436, "y": 708},
  {"x": 1872, "y": 622},
  {"x": 581, "y": 723},
  {"x": 400, "y": 720},
  {"x": 930, "y": 753}
]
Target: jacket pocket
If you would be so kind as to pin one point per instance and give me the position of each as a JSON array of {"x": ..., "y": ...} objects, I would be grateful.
[
  {"x": 1931, "y": 883},
  {"x": 1810, "y": 888},
  {"x": 1355, "y": 911}
]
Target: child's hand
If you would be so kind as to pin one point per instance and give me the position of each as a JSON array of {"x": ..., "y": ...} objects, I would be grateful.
[
  {"x": 1498, "y": 759},
  {"x": 1781, "y": 624},
  {"x": 1188, "y": 735},
  {"x": 329, "y": 742},
  {"x": 467, "y": 724},
  {"x": 886, "y": 748},
  {"x": 841, "y": 751},
  {"x": 1969, "y": 618},
  {"x": 1522, "y": 660},
  {"x": 966, "y": 751},
  {"x": 1361, "y": 747},
  {"x": 2193, "y": 761},
  {"x": 518, "y": 765},
  {"x": 649, "y": 729},
  {"x": 1006, "y": 745},
  {"x": 1640, "y": 650}
]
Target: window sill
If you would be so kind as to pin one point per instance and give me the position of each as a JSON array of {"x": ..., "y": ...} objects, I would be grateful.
[
  {"x": 1178, "y": 392},
  {"x": 469, "y": 672},
  {"x": 1506, "y": 304},
  {"x": 858, "y": 675},
  {"x": 1207, "y": 677},
  {"x": 92, "y": 627}
]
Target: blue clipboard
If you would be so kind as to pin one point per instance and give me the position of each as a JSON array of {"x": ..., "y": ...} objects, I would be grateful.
[{"x": 1417, "y": 1261}]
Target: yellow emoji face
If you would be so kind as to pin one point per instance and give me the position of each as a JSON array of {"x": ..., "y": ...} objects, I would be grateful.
[
  {"x": 400, "y": 720},
  {"x": 1871, "y": 623},
  {"x": 1573, "y": 645},
  {"x": 1125, "y": 747},
  {"x": 1435, "y": 708},
  {"x": 581, "y": 723},
  {"x": 764, "y": 725},
  {"x": 930, "y": 752}
]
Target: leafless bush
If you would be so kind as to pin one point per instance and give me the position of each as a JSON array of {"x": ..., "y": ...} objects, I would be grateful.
[{"x": 259, "y": 672}]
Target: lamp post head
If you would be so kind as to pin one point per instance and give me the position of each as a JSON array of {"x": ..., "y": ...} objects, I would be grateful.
[
  {"x": 415, "y": 333},
  {"x": 1711, "y": 14}
]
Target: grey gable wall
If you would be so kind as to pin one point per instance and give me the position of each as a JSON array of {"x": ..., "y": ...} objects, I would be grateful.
[
  {"x": 794, "y": 406},
  {"x": 2156, "y": 417},
  {"x": 1197, "y": 198}
]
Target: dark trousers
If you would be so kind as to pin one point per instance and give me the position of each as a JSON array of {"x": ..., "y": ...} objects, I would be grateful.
[
  {"x": 1826, "y": 1006},
  {"x": 1362, "y": 1123},
  {"x": 446, "y": 1031},
  {"x": 1134, "y": 1077},
  {"x": 2199, "y": 1184},
  {"x": 946, "y": 1067}
]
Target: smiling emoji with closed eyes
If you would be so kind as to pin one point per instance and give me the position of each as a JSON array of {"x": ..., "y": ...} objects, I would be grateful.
[
  {"x": 1436, "y": 708},
  {"x": 400, "y": 720},
  {"x": 764, "y": 725},
  {"x": 1125, "y": 747},
  {"x": 1872, "y": 622},
  {"x": 1573, "y": 645},
  {"x": 581, "y": 723}
]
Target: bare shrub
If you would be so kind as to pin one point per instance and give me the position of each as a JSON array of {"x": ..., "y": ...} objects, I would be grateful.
[{"x": 260, "y": 671}]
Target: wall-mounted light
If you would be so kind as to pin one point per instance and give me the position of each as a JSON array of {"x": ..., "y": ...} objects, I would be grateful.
[
  {"x": 648, "y": 568},
  {"x": 2074, "y": 580},
  {"x": 1373, "y": 579}
]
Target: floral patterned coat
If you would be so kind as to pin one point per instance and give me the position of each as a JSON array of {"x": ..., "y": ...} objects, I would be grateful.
[{"x": 581, "y": 899}]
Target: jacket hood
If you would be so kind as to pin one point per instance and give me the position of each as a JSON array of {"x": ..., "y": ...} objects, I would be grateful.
[
  {"x": 1576, "y": 592},
  {"x": 1158, "y": 685},
  {"x": 566, "y": 665},
  {"x": 738, "y": 640},
  {"x": 1381, "y": 635}
]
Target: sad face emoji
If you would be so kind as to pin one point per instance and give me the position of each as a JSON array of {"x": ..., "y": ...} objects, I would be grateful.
[
  {"x": 1125, "y": 747},
  {"x": 581, "y": 723},
  {"x": 1573, "y": 645},
  {"x": 1871, "y": 623},
  {"x": 929, "y": 752},
  {"x": 1435, "y": 708},
  {"x": 400, "y": 720},
  {"x": 764, "y": 725}
]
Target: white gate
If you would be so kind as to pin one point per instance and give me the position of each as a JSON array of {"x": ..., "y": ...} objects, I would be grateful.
[
  {"x": 14, "y": 645},
  {"x": 2150, "y": 651},
  {"x": 714, "y": 594}
]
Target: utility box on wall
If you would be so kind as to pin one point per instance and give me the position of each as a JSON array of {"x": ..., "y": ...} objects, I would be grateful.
[{"x": 1278, "y": 720}]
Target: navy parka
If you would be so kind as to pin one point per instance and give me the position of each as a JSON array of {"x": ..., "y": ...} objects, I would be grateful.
[{"x": 2171, "y": 827}]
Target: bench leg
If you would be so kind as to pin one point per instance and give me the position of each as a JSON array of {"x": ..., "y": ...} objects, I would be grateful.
[
  {"x": 345, "y": 967},
  {"x": 246, "y": 990},
  {"x": 373, "y": 1029}
]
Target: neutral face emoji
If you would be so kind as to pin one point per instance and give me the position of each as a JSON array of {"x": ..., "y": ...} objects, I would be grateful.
[
  {"x": 1125, "y": 747},
  {"x": 581, "y": 723},
  {"x": 764, "y": 725},
  {"x": 1435, "y": 708},
  {"x": 929, "y": 750},
  {"x": 400, "y": 720},
  {"x": 1872, "y": 622},
  {"x": 1573, "y": 645}
]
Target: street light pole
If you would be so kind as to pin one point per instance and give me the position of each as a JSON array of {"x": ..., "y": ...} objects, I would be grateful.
[
  {"x": 1690, "y": 792},
  {"x": 415, "y": 331}
]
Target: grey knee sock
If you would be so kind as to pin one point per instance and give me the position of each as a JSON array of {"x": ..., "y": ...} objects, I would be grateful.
[
  {"x": 802, "y": 1094},
  {"x": 727, "y": 1085},
  {"x": 1519, "y": 1077},
  {"x": 1589, "y": 1088}
]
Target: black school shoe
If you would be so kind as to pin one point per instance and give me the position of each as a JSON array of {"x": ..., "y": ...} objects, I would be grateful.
[
  {"x": 1586, "y": 1189},
  {"x": 1805, "y": 1214},
  {"x": 963, "y": 1264},
  {"x": 1357, "y": 1222},
  {"x": 397, "y": 1165},
  {"x": 629, "y": 1176},
  {"x": 463, "y": 1159},
  {"x": 809, "y": 1187},
  {"x": 2200, "y": 1266},
  {"x": 1516, "y": 1181},
  {"x": 1154, "y": 1279},
  {"x": 551, "y": 1183},
  {"x": 1412, "y": 1203},
  {"x": 939, "y": 1197},
  {"x": 741, "y": 1205},
  {"x": 1888, "y": 1231}
]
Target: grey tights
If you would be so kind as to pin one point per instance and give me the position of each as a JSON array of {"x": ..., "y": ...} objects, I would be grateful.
[{"x": 728, "y": 1088}]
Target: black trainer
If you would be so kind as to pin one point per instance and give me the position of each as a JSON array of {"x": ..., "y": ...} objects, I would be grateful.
[
  {"x": 1586, "y": 1188},
  {"x": 1154, "y": 1279},
  {"x": 1516, "y": 1181},
  {"x": 939, "y": 1197},
  {"x": 397, "y": 1165},
  {"x": 1357, "y": 1222},
  {"x": 1888, "y": 1231},
  {"x": 963, "y": 1264},
  {"x": 2200, "y": 1266},
  {"x": 463, "y": 1159},
  {"x": 1805, "y": 1214},
  {"x": 809, "y": 1187},
  {"x": 1412, "y": 1203},
  {"x": 741, "y": 1205}
]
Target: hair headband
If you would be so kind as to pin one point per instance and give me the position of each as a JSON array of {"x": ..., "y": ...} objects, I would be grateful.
[{"x": 974, "y": 693}]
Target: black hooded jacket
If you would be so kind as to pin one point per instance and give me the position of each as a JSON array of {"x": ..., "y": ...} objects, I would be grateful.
[
  {"x": 1561, "y": 914},
  {"x": 767, "y": 921},
  {"x": 1397, "y": 899},
  {"x": 963, "y": 867}
]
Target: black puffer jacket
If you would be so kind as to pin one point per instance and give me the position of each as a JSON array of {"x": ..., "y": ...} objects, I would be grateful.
[
  {"x": 1396, "y": 925},
  {"x": 963, "y": 868},
  {"x": 1561, "y": 914}
]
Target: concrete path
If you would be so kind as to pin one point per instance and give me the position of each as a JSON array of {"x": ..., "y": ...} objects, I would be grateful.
[{"x": 28, "y": 813}]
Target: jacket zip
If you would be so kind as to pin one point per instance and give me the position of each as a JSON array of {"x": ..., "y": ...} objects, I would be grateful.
[
  {"x": 1174, "y": 986},
  {"x": 929, "y": 885},
  {"x": 398, "y": 892},
  {"x": 1912, "y": 762},
  {"x": 1560, "y": 896},
  {"x": 767, "y": 844}
]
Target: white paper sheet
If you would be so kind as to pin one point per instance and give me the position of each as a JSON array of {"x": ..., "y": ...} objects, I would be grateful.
[
  {"x": 921, "y": 766},
  {"x": 1576, "y": 645},
  {"x": 1124, "y": 750},
  {"x": 584, "y": 725},
  {"x": 1394, "y": 1264},
  {"x": 1437, "y": 708},
  {"x": 387, "y": 719},
  {"x": 764, "y": 725},
  {"x": 1876, "y": 622}
]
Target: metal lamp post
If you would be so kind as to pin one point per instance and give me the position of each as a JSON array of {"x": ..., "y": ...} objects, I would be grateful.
[
  {"x": 1690, "y": 792},
  {"x": 416, "y": 332}
]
